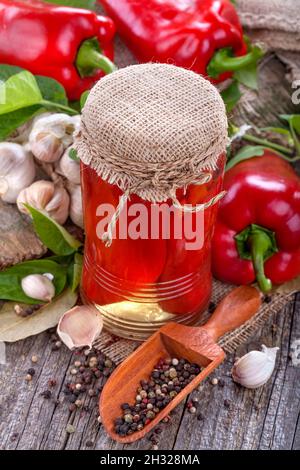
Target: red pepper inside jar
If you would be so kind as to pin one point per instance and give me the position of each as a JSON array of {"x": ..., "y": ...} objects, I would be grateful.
[{"x": 152, "y": 172}]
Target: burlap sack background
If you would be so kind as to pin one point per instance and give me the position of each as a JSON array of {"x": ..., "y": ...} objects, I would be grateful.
[
  {"x": 275, "y": 24},
  {"x": 117, "y": 349}
]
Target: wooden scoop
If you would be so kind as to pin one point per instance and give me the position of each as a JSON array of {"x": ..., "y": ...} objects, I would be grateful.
[{"x": 195, "y": 344}]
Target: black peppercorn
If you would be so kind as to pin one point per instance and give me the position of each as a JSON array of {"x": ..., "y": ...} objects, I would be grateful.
[
  {"x": 167, "y": 379},
  {"x": 46, "y": 394},
  {"x": 221, "y": 383}
]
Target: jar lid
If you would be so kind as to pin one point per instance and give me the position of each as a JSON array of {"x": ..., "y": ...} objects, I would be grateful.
[{"x": 152, "y": 128}]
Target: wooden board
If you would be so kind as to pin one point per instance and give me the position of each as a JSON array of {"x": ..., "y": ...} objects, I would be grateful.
[{"x": 18, "y": 241}]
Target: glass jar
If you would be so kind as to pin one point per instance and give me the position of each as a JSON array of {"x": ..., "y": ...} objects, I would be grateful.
[{"x": 140, "y": 283}]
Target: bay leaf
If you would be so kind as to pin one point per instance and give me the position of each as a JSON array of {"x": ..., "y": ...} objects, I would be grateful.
[{"x": 14, "y": 328}]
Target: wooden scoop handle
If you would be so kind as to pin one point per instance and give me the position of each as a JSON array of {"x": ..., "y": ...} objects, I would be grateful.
[{"x": 235, "y": 309}]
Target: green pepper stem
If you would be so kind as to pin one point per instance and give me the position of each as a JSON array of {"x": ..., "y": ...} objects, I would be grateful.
[
  {"x": 89, "y": 59},
  {"x": 267, "y": 143},
  {"x": 223, "y": 61},
  {"x": 260, "y": 243}
]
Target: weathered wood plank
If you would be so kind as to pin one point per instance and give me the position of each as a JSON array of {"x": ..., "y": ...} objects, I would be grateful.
[
  {"x": 18, "y": 241},
  {"x": 265, "y": 418},
  {"x": 274, "y": 96}
]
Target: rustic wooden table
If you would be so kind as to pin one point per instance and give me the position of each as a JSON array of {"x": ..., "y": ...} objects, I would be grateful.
[{"x": 266, "y": 418}]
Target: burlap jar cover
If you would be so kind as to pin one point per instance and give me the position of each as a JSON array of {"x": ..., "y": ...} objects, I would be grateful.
[{"x": 144, "y": 129}]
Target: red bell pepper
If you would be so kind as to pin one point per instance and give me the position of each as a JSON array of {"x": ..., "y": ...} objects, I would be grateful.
[
  {"x": 200, "y": 35},
  {"x": 257, "y": 235},
  {"x": 71, "y": 45}
]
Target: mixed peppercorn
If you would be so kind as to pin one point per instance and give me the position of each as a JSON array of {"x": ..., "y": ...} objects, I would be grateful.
[{"x": 167, "y": 379}]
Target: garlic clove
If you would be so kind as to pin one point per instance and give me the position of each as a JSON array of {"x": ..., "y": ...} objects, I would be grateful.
[
  {"x": 39, "y": 287},
  {"x": 68, "y": 168},
  {"x": 80, "y": 326},
  {"x": 17, "y": 170},
  {"x": 37, "y": 195},
  {"x": 47, "y": 147},
  {"x": 76, "y": 212},
  {"x": 3, "y": 186},
  {"x": 255, "y": 368},
  {"x": 47, "y": 196}
]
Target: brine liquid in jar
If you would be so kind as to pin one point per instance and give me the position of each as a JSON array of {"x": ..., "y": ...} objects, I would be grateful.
[{"x": 152, "y": 272}]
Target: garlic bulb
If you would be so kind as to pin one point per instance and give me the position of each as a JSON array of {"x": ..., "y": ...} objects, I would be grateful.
[
  {"x": 69, "y": 168},
  {"x": 21, "y": 134},
  {"x": 46, "y": 196},
  {"x": 38, "y": 286},
  {"x": 76, "y": 213},
  {"x": 80, "y": 326},
  {"x": 255, "y": 368},
  {"x": 17, "y": 170},
  {"x": 51, "y": 135}
]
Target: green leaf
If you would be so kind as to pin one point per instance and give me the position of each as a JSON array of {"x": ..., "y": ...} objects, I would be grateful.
[
  {"x": 11, "y": 121},
  {"x": 52, "y": 90},
  {"x": 7, "y": 71},
  {"x": 52, "y": 234},
  {"x": 75, "y": 105},
  {"x": 63, "y": 260},
  {"x": 282, "y": 131},
  {"x": 74, "y": 272},
  {"x": 247, "y": 76},
  {"x": 83, "y": 98},
  {"x": 244, "y": 153},
  {"x": 87, "y": 4},
  {"x": 294, "y": 124},
  {"x": 231, "y": 96},
  {"x": 73, "y": 155},
  {"x": 19, "y": 91},
  {"x": 279, "y": 130},
  {"x": 10, "y": 279},
  {"x": 22, "y": 95},
  {"x": 293, "y": 120}
]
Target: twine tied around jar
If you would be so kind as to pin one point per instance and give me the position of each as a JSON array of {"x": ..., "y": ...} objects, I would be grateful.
[
  {"x": 151, "y": 129},
  {"x": 107, "y": 236}
]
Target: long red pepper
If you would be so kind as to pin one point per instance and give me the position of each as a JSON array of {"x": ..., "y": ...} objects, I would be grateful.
[
  {"x": 72, "y": 45},
  {"x": 202, "y": 35},
  {"x": 257, "y": 235}
]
